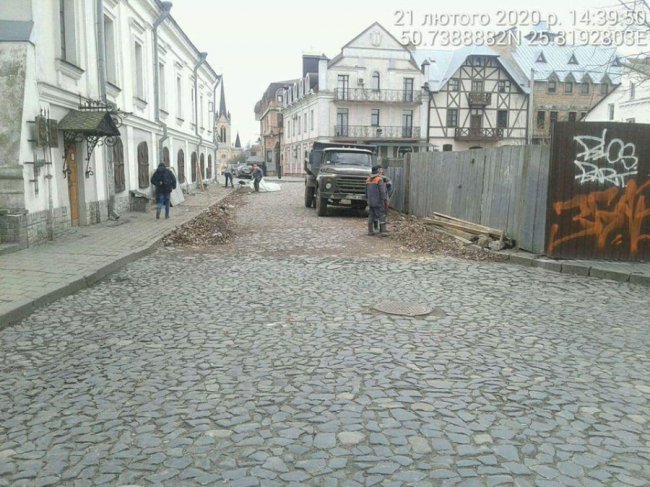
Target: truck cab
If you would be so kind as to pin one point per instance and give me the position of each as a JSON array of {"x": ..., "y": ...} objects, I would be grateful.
[{"x": 336, "y": 175}]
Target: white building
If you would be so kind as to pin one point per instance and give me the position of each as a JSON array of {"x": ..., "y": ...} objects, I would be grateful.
[
  {"x": 476, "y": 99},
  {"x": 370, "y": 93},
  {"x": 630, "y": 100},
  {"x": 52, "y": 53}
]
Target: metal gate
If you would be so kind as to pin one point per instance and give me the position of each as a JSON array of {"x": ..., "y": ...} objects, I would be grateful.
[{"x": 599, "y": 191}]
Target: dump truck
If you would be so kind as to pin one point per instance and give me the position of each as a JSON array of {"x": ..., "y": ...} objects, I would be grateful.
[{"x": 336, "y": 175}]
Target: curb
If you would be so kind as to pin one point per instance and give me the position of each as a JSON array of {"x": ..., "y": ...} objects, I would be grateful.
[{"x": 26, "y": 307}]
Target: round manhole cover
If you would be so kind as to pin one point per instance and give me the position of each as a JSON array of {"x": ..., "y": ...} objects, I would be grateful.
[{"x": 403, "y": 309}]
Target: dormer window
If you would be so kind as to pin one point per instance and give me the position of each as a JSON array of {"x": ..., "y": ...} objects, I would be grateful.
[
  {"x": 541, "y": 58},
  {"x": 573, "y": 59}
]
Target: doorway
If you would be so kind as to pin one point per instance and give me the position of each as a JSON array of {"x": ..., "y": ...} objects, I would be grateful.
[
  {"x": 475, "y": 124},
  {"x": 73, "y": 183}
]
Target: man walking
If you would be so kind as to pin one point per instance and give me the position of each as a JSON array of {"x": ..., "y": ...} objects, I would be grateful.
[
  {"x": 256, "y": 174},
  {"x": 227, "y": 172},
  {"x": 377, "y": 202},
  {"x": 165, "y": 182}
]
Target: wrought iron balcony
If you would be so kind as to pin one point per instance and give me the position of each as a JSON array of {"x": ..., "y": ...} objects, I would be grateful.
[
  {"x": 376, "y": 132},
  {"x": 474, "y": 134},
  {"x": 374, "y": 96},
  {"x": 479, "y": 98}
]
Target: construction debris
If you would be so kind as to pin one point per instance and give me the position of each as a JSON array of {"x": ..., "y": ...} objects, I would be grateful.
[
  {"x": 215, "y": 226},
  {"x": 484, "y": 237}
]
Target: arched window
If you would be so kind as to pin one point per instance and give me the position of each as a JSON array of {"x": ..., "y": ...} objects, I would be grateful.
[
  {"x": 118, "y": 166},
  {"x": 180, "y": 161},
  {"x": 143, "y": 165},
  {"x": 166, "y": 156},
  {"x": 193, "y": 166},
  {"x": 223, "y": 134},
  {"x": 202, "y": 167},
  {"x": 375, "y": 81},
  {"x": 209, "y": 167}
]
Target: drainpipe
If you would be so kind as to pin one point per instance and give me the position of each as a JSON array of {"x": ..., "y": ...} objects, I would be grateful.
[
  {"x": 166, "y": 7},
  {"x": 201, "y": 60},
  {"x": 214, "y": 116}
]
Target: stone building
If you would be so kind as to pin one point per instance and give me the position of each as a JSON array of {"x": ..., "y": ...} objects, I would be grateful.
[
  {"x": 89, "y": 108},
  {"x": 370, "y": 93}
]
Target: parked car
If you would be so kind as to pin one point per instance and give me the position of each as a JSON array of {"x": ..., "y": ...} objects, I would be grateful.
[{"x": 243, "y": 171}]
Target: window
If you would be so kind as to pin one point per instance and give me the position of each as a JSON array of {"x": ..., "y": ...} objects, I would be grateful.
[
  {"x": 610, "y": 110},
  {"x": 202, "y": 167},
  {"x": 279, "y": 98},
  {"x": 632, "y": 91},
  {"x": 502, "y": 119},
  {"x": 304, "y": 121},
  {"x": 584, "y": 88},
  {"x": 541, "y": 58},
  {"x": 568, "y": 87},
  {"x": 209, "y": 175},
  {"x": 194, "y": 168},
  {"x": 408, "y": 89},
  {"x": 552, "y": 86},
  {"x": 165, "y": 156},
  {"x": 342, "y": 122},
  {"x": 583, "y": 115},
  {"x": 502, "y": 86},
  {"x": 299, "y": 120},
  {"x": 68, "y": 31},
  {"x": 447, "y": 147},
  {"x": 454, "y": 84},
  {"x": 180, "y": 162},
  {"x": 541, "y": 119},
  {"x": 201, "y": 110},
  {"x": 179, "y": 96},
  {"x": 553, "y": 117},
  {"x": 374, "y": 117},
  {"x": 119, "y": 176},
  {"x": 572, "y": 116},
  {"x": 143, "y": 165},
  {"x": 161, "y": 86},
  {"x": 139, "y": 71},
  {"x": 311, "y": 126},
  {"x": 478, "y": 85},
  {"x": 407, "y": 123},
  {"x": 375, "y": 81},
  {"x": 343, "y": 86},
  {"x": 222, "y": 131},
  {"x": 452, "y": 117},
  {"x": 109, "y": 50},
  {"x": 193, "y": 106},
  {"x": 604, "y": 89}
]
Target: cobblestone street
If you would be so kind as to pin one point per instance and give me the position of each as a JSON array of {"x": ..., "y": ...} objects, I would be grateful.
[{"x": 262, "y": 362}]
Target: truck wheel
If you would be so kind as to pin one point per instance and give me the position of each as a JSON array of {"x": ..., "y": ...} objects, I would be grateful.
[
  {"x": 321, "y": 205},
  {"x": 309, "y": 196}
]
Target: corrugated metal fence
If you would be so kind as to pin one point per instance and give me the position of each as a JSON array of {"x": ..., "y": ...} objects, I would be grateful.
[{"x": 504, "y": 188}]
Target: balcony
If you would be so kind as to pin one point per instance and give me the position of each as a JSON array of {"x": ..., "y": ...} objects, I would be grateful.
[
  {"x": 479, "y": 98},
  {"x": 477, "y": 134},
  {"x": 375, "y": 96},
  {"x": 368, "y": 132}
]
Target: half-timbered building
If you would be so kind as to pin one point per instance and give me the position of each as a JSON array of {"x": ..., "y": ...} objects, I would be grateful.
[{"x": 475, "y": 99}]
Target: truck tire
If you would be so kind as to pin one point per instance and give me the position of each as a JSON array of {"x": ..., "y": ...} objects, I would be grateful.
[
  {"x": 321, "y": 205},
  {"x": 309, "y": 196}
]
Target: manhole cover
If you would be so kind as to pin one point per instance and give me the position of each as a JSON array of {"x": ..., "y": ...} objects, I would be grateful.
[{"x": 403, "y": 309}]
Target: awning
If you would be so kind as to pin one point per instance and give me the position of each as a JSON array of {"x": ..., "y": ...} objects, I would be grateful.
[{"x": 89, "y": 123}]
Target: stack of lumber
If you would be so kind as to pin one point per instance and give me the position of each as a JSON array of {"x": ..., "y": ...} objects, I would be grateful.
[{"x": 468, "y": 232}]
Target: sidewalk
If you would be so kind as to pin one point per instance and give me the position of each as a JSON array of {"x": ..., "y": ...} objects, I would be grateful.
[
  {"x": 634, "y": 272},
  {"x": 41, "y": 274}
]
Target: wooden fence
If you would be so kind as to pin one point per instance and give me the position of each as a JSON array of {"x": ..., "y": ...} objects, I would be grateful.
[{"x": 504, "y": 188}]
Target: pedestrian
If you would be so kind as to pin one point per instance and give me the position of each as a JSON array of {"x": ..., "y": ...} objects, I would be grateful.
[
  {"x": 165, "y": 182},
  {"x": 227, "y": 172},
  {"x": 256, "y": 175},
  {"x": 377, "y": 197}
]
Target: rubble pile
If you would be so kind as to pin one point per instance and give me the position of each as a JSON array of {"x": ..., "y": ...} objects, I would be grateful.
[
  {"x": 416, "y": 235},
  {"x": 214, "y": 226}
]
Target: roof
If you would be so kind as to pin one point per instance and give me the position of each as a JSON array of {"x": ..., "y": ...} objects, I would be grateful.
[
  {"x": 269, "y": 93},
  {"x": 237, "y": 142},
  {"x": 222, "y": 103},
  {"x": 443, "y": 64},
  {"x": 89, "y": 123},
  {"x": 596, "y": 62}
]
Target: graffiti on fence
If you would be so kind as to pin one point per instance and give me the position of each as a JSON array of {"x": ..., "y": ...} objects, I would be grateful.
[
  {"x": 599, "y": 191},
  {"x": 605, "y": 162},
  {"x": 612, "y": 217}
]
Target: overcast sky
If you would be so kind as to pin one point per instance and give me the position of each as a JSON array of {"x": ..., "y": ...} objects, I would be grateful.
[{"x": 256, "y": 42}]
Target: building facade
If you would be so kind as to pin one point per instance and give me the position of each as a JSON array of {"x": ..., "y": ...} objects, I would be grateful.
[
  {"x": 370, "y": 93},
  {"x": 96, "y": 106},
  {"x": 475, "y": 99}
]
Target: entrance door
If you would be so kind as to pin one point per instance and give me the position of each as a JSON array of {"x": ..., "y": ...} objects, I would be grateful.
[
  {"x": 475, "y": 123},
  {"x": 73, "y": 183}
]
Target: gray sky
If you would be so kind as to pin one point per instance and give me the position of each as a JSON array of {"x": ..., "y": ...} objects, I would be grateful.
[{"x": 256, "y": 42}]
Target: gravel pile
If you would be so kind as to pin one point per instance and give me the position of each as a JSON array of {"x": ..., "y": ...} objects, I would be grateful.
[{"x": 415, "y": 236}]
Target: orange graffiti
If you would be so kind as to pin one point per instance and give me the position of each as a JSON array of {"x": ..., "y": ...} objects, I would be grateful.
[{"x": 607, "y": 216}]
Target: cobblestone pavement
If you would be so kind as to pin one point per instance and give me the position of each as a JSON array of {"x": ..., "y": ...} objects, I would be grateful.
[{"x": 263, "y": 364}]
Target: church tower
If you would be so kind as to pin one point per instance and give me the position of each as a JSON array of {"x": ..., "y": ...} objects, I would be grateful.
[{"x": 222, "y": 124}]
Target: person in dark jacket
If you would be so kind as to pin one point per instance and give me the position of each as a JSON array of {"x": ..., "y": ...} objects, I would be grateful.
[
  {"x": 227, "y": 172},
  {"x": 165, "y": 182},
  {"x": 377, "y": 202},
  {"x": 257, "y": 175}
]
